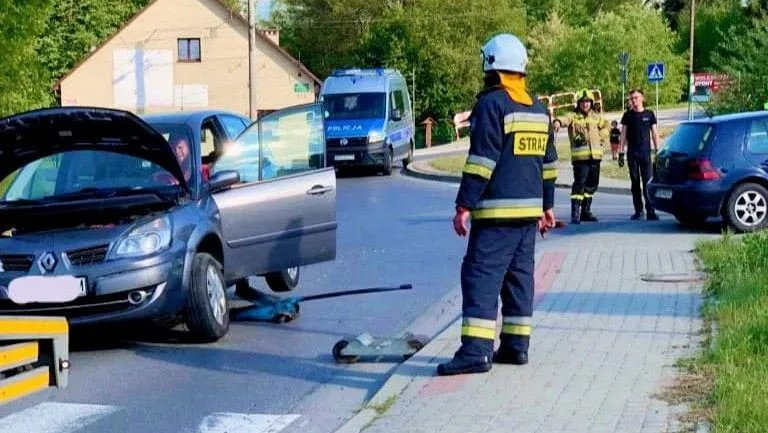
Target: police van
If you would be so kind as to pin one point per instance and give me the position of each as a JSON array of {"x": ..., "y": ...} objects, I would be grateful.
[{"x": 368, "y": 118}]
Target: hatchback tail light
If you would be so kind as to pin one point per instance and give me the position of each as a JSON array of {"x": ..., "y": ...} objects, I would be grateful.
[{"x": 701, "y": 169}]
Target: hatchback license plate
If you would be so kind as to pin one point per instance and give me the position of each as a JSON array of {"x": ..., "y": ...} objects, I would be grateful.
[
  {"x": 344, "y": 157},
  {"x": 54, "y": 289},
  {"x": 663, "y": 193}
]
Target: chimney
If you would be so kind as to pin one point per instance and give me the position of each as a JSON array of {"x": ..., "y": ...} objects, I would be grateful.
[{"x": 272, "y": 34}]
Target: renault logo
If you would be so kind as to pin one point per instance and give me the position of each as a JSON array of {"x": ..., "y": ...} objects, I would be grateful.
[
  {"x": 343, "y": 141},
  {"x": 47, "y": 262}
]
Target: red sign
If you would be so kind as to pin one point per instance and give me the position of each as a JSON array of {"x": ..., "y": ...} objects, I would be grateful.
[{"x": 710, "y": 80}]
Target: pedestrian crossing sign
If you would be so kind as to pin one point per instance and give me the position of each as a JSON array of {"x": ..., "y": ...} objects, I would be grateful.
[{"x": 655, "y": 72}]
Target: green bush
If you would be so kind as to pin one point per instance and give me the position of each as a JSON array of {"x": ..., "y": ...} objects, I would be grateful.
[{"x": 567, "y": 58}]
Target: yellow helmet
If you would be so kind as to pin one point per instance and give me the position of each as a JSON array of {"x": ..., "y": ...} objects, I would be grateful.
[{"x": 584, "y": 94}]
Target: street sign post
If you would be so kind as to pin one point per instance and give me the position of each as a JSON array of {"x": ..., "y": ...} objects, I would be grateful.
[
  {"x": 655, "y": 72},
  {"x": 623, "y": 58}
]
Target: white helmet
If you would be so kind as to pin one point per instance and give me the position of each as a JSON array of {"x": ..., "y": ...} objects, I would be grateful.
[{"x": 505, "y": 52}]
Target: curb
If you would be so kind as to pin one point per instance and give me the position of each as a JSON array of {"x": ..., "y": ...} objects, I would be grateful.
[
  {"x": 400, "y": 379},
  {"x": 414, "y": 170}
]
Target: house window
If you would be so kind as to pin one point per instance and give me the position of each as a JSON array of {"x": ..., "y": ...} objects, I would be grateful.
[{"x": 189, "y": 50}]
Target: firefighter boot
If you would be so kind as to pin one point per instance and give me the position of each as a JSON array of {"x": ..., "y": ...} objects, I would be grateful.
[
  {"x": 575, "y": 211},
  {"x": 465, "y": 365},
  {"x": 509, "y": 356},
  {"x": 586, "y": 211}
]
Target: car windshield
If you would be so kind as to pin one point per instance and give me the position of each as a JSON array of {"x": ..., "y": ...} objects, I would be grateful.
[
  {"x": 349, "y": 106},
  {"x": 77, "y": 173},
  {"x": 179, "y": 138},
  {"x": 689, "y": 139}
]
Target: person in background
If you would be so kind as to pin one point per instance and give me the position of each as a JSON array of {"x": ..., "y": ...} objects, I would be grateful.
[
  {"x": 615, "y": 138},
  {"x": 638, "y": 130}
]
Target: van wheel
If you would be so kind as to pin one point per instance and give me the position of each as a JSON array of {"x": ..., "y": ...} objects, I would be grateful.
[
  {"x": 747, "y": 208},
  {"x": 388, "y": 163},
  {"x": 207, "y": 310},
  {"x": 409, "y": 159},
  {"x": 283, "y": 281}
]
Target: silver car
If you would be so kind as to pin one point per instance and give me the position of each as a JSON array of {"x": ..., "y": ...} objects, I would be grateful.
[{"x": 103, "y": 218}]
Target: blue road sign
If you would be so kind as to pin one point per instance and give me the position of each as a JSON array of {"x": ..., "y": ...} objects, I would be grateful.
[{"x": 655, "y": 72}]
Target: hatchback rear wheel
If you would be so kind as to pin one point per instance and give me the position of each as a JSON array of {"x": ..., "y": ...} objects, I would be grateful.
[
  {"x": 747, "y": 208},
  {"x": 283, "y": 281}
]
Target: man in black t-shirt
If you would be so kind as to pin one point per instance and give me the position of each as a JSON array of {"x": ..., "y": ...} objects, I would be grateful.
[{"x": 638, "y": 130}]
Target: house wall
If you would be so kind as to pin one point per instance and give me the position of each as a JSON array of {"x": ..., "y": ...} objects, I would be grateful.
[{"x": 139, "y": 70}]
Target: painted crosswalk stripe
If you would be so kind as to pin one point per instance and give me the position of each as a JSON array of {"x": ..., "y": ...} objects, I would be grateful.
[
  {"x": 54, "y": 418},
  {"x": 244, "y": 423}
]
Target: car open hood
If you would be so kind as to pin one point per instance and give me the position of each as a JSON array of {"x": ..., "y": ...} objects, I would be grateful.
[{"x": 29, "y": 136}]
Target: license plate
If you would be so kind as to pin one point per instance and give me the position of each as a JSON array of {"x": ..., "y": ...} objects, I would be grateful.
[
  {"x": 663, "y": 193},
  {"x": 55, "y": 289},
  {"x": 344, "y": 157}
]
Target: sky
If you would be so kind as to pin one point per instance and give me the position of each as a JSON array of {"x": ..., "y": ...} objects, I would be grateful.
[{"x": 264, "y": 7}]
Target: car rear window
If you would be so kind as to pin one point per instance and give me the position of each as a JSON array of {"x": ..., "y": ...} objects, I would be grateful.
[{"x": 690, "y": 138}]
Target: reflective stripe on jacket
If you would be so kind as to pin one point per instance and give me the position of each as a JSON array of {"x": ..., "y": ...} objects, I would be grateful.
[
  {"x": 588, "y": 134},
  {"x": 510, "y": 170}
]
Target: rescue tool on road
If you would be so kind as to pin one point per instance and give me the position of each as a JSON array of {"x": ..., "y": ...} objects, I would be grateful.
[{"x": 270, "y": 308}]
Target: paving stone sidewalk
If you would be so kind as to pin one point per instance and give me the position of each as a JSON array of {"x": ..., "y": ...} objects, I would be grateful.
[{"x": 604, "y": 347}]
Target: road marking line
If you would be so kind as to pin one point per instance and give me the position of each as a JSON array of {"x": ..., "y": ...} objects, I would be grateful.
[
  {"x": 244, "y": 423},
  {"x": 54, "y": 418}
]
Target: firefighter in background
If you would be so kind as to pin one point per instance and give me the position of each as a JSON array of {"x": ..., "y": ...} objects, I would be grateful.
[
  {"x": 507, "y": 188},
  {"x": 588, "y": 133}
]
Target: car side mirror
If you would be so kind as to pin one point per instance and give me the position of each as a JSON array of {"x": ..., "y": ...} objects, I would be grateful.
[
  {"x": 396, "y": 115},
  {"x": 223, "y": 180}
]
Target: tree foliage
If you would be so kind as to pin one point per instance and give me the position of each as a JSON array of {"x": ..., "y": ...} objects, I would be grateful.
[
  {"x": 743, "y": 55},
  {"x": 20, "y": 70},
  {"x": 565, "y": 57}
]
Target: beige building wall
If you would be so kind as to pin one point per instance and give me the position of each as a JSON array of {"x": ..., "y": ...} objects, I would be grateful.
[{"x": 219, "y": 81}]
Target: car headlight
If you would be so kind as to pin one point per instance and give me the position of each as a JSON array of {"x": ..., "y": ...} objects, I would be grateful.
[
  {"x": 149, "y": 238},
  {"x": 376, "y": 136}
]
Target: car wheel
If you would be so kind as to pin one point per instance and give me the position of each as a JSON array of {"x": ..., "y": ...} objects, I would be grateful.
[
  {"x": 388, "y": 163},
  {"x": 690, "y": 220},
  {"x": 207, "y": 311},
  {"x": 283, "y": 281},
  {"x": 409, "y": 158},
  {"x": 747, "y": 208}
]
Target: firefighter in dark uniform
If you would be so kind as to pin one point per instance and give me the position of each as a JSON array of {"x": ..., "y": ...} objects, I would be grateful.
[{"x": 507, "y": 188}]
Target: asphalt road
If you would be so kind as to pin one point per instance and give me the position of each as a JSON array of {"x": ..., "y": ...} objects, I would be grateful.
[{"x": 267, "y": 377}]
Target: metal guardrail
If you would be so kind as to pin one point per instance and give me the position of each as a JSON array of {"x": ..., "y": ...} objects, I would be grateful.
[{"x": 34, "y": 355}]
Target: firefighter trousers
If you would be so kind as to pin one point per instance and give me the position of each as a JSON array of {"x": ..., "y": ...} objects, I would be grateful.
[
  {"x": 586, "y": 178},
  {"x": 499, "y": 260}
]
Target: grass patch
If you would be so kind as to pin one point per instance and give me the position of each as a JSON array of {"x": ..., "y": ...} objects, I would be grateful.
[
  {"x": 735, "y": 365},
  {"x": 384, "y": 406},
  {"x": 380, "y": 410},
  {"x": 451, "y": 164}
]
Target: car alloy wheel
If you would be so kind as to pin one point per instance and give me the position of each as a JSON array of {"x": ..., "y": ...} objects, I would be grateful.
[
  {"x": 293, "y": 273},
  {"x": 216, "y": 295},
  {"x": 751, "y": 208}
]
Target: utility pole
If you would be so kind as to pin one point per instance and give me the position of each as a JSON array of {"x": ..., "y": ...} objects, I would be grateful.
[
  {"x": 690, "y": 61},
  {"x": 252, "y": 108}
]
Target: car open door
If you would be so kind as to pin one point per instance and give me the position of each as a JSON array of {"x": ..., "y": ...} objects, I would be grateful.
[{"x": 283, "y": 211}]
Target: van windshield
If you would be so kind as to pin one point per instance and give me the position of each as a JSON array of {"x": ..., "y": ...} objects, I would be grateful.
[{"x": 350, "y": 106}]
